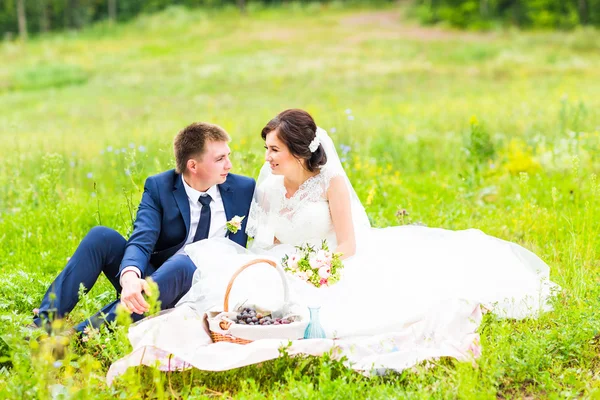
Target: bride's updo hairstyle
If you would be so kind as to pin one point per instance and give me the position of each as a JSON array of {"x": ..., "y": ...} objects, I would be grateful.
[{"x": 297, "y": 129}]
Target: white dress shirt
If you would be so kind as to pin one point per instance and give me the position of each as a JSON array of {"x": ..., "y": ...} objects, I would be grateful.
[{"x": 218, "y": 220}]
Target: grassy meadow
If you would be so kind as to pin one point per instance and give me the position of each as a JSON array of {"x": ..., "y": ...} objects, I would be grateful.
[{"x": 497, "y": 131}]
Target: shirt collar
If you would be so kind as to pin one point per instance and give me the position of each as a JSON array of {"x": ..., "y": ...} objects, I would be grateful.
[{"x": 194, "y": 194}]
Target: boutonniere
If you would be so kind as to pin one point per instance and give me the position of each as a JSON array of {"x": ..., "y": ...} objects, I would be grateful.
[{"x": 235, "y": 224}]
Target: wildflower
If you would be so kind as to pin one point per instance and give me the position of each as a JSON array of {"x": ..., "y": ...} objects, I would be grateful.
[
  {"x": 72, "y": 164},
  {"x": 117, "y": 151},
  {"x": 401, "y": 213},
  {"x": 90, "y": 175},
  {"x": 350, "y": 117},
  {"x": 332, "y": 130},
  {"x": 371, "y": 195},
  {"x": 132, "y": 145},
  {"x": 93, "y": 194},
  {"x": 127, "y": 172},
  {"x": 473, "y": 120},
  {"x": 142, "y": 149},
  {"x": 36, "y": 311},
  {"x": 109, "y": 149}
]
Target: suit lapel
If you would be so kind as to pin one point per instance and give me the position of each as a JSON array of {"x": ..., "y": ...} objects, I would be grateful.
[
  {"x": 182, "y": 202},
  {"x": 228, "y": 197}
]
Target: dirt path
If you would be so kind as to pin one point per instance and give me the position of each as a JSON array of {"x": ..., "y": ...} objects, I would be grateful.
[{"x": 391, "y": 24}]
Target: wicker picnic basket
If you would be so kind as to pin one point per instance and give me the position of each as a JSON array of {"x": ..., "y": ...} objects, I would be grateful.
[{"x": 223, "y": 329}]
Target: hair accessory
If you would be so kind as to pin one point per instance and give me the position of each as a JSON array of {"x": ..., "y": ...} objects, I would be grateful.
[{"x": 314, "y": 145}]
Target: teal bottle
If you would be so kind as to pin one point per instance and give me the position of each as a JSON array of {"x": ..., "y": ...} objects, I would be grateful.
[{"x": 314, "y": 330}]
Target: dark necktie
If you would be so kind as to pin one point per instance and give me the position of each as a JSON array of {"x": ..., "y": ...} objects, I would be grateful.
[{"x": 204, "y": 222}]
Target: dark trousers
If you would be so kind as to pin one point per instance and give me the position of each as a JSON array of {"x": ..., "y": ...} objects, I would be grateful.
[{"x": 101, "y": 251}]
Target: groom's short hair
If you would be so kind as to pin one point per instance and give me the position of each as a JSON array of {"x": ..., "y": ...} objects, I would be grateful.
[{"x": 190, "y": 142}]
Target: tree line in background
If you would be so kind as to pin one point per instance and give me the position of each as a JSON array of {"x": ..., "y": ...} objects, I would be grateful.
[
  {"x": 35, "y": 16},
  {"x": 547, "y": 14},
  {"x": 39, "y": 16}
]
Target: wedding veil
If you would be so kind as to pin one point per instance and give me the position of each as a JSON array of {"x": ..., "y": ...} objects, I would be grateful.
[{"x": 265, "y": 202}]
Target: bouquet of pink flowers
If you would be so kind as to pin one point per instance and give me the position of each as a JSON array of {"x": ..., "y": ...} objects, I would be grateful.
[{"x": 320, "y": 267}]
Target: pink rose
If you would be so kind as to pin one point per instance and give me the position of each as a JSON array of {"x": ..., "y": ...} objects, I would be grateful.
[
  {"x": 323, "y": 282},
  {"x": 324, "y": 272}
]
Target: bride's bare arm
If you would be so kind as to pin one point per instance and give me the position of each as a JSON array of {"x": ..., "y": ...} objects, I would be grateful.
[{"x": 341, "y": 216}]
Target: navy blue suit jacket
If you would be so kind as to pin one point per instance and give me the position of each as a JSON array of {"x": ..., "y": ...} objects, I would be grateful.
[{"x": 163, "y": 218}]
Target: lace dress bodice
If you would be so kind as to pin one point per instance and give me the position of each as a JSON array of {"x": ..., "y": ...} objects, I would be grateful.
[{"x": 302, "y": 218}]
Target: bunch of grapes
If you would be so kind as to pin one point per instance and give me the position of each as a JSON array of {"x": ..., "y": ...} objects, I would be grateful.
[{"x": 249, "y": 316}]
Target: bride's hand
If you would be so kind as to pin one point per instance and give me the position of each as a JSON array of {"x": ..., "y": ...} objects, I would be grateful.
[{"x": 276, "y": 241}]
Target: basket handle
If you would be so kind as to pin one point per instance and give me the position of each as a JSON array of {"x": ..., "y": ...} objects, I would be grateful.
[{"x": 250, "y": 263}]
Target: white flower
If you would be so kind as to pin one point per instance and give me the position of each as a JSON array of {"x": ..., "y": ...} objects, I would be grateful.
[
  {"x": 302, "y": 275},
  {"x": 324, "y": 272},
  {"x": 323, "y": 257},
  {"x": 315, "y": 263},
  {"x": 235, "y": 224},
  {"x": 314, "y": 145},
  {"x": 292, "y": 262}
]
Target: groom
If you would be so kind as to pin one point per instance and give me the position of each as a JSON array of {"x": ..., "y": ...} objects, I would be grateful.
[{"x": 178, "y": 207}]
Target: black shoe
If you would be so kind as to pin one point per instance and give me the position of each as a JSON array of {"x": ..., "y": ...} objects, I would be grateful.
[{"x": 31, "y": 330}]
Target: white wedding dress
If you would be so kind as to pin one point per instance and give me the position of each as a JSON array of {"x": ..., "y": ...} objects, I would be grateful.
[{"x": 410, "y": 293}]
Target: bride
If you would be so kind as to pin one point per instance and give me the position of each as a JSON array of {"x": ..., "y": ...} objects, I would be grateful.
[{"x": 407, "y": 293}]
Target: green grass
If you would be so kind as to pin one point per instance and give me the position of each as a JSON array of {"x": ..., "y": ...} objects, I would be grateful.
[{"x": 498, "y": 131}]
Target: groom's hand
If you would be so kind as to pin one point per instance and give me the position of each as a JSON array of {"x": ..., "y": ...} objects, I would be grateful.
[{"x": 131, "y": 295}]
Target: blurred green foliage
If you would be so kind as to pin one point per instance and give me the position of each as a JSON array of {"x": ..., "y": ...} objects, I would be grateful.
[{"x": 548, "y": 14}]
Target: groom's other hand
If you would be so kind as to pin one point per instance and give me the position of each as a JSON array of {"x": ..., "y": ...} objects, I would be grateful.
[{"x": 131, "y": 295}]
